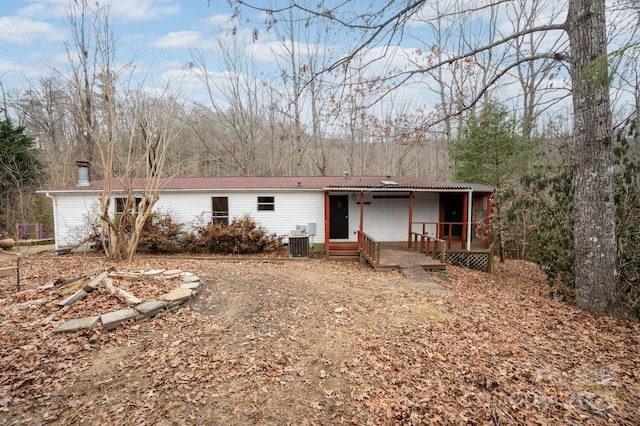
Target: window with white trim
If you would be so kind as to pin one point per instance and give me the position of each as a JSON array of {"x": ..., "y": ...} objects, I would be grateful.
[{"x": 266, "y": 203}]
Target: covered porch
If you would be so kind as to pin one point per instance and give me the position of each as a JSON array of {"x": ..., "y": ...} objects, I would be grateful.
[{"x": 389, "y": 226}]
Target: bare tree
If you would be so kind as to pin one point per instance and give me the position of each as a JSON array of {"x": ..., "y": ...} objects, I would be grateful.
[
  {"x": 106, "y": 100},
  {"x": 301, "y": 55},
  {"x": 44, "y": 110},
  {"x": 236, "y": 134},
  {"x": 84, "y": 49},
  {"x": 354, "y": 121},
  {"x": 586, "y": 54},
  {"x": 538, "y": 88}
]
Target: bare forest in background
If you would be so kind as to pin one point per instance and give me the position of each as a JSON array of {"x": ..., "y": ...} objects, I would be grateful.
[
  {"x": 318, "y": 112},
  {"x": 303, "y": 118}
]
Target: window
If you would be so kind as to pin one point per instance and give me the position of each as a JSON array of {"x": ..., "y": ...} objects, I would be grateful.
[
  {"x": 266, "y": 204},
  {"x": 124, "y": 204},
  {"x": 220, "y": 210},
  {"x": 121, "y": 205}
]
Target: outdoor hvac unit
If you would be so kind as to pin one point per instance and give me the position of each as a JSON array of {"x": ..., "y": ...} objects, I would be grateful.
[{"x": 298, "y": 246}]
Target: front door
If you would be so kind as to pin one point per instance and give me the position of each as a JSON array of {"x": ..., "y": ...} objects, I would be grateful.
[
  {"x": 338, "y": 217},
  {"x": 453, "y": 218}
]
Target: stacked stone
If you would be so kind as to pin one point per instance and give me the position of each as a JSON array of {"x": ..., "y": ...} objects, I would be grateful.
[{"x": 189, "y": 286}]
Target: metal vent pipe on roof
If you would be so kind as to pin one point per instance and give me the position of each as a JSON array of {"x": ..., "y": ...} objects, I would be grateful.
[
  {"x": 345, "y": 174},
  {"x": 83, "y": 172}
]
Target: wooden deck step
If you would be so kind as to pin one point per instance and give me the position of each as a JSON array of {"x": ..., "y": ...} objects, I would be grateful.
[
  {"x": 344, "y": 252},
  {"x": 343, "y": 249},
  {"x": 341, "y": 258}
]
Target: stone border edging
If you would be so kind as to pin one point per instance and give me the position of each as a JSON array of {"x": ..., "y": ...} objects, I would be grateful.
[{"x": 148, "y": 309}]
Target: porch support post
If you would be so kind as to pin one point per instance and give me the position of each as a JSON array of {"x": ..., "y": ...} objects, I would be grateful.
[
  {"x": 487, "y": 229},
  {"x": 361, "y": 219},
  {"x": 327, "y": 229},
  {"x": 410, "y": 219},
  {"x": 469, "y": 208}
]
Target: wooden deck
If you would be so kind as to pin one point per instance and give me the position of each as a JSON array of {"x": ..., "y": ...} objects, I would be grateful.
[{"x": 395, "y": 255}]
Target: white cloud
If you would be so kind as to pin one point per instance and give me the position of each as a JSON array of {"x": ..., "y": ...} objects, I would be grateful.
[
  {"x": 220, "y": 20},
  {"x": 17, "y": 72},
  {"x": 19, "y": 30},
  {"x": 48, "y": 8},
  {"x": 7, "y": 67},
  {"x": 178, "y": 40},
  {"x": 273, "y": 51},
  {"x": 123, "y": 10},
  {"x": 142, "y": 10}
]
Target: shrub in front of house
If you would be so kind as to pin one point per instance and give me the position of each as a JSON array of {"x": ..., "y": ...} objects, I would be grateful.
[
  {"x": 241, "y": 236},
  {"x": 161, "y": 234}
]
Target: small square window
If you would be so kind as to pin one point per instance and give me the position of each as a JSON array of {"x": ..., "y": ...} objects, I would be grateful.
[{"x": 266, "y": 204}]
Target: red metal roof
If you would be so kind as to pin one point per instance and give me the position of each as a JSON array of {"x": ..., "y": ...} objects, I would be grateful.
[{"x": 273, "y": 182}]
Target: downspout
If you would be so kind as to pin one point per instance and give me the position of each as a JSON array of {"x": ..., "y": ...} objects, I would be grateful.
[
  {"x": 469, "y": 207},
  {"x": 54, "y": 202},
  {"x": 410, "y": 219}
]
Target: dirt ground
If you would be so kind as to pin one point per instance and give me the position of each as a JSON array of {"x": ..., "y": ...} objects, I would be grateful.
[{"x": 280, "y": 342}]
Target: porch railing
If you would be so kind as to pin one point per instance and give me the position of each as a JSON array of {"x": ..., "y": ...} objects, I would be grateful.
[
  {"x": 430, "y": 246},
  {"x": 369, "y": 247},
  {"x": 444, "y": 231}
]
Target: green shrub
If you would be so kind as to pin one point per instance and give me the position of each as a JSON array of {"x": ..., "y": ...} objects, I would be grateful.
[{"x": 541, "y": 221}]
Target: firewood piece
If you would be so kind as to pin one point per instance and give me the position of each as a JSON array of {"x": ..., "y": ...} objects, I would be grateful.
[
  {"x": 62, "y": 281},
  {"x": 95, "y": 281},
  {"x": 73, "y": 286},
  {"x": 129, "y": 276},
  {"x": 78, "y": 295},
  {"x": 120, "y": 293}
]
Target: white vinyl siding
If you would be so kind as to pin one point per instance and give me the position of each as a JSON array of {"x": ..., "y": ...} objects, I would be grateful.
[
  {"x": 387, "y": 219},
  {"x": 294, "y": 208},
  {"x": 73, "y": 215}
]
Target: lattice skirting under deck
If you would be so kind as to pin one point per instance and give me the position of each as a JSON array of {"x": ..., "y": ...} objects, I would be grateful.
[{"x": 471, "y": 260}]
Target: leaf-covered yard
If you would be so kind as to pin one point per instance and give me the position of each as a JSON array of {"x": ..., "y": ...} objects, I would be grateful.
[{"x": 315, "y": 342}]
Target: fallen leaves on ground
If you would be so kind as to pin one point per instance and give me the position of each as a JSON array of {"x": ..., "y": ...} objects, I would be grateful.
[{"x": 315, "y": 342}]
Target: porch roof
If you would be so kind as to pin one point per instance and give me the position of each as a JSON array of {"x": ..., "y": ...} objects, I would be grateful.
[{"x": 253, "y": 183}]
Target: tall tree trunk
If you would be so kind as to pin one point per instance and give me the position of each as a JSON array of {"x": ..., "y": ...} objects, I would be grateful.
[{"x": 594, "y": 210}]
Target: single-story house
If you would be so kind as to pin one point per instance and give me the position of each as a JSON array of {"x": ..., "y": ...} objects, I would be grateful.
[{"x": 331, "y": 210}]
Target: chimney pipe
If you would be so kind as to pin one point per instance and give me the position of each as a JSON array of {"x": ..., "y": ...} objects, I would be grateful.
[
  {"x": 345, "y": 174},
  {"x": 83, "y": 172}
]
